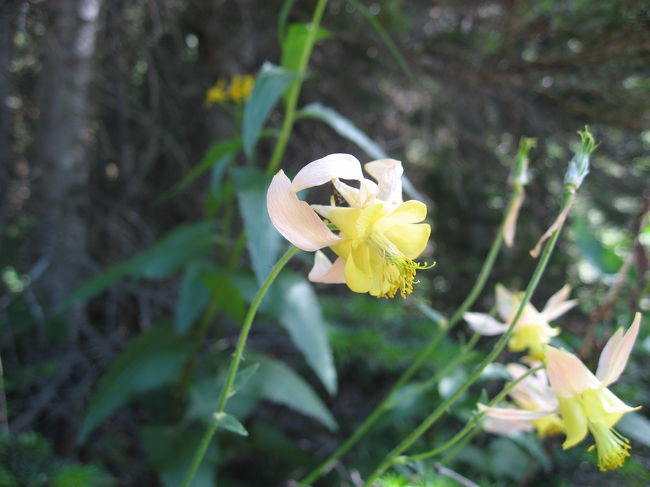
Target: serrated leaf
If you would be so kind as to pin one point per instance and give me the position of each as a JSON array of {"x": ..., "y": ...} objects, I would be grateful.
[
  {"x": 294, "y": 41},
  {"x": 218, "y": 156},
  {"x": 242, "y": 377},
  {"x": 193, "y": 295},
  {"x": 300, "y": 314},
  {"x": 145, "y": 363},
  {"x": 171, "y": 449},
  {"x": 230, "y": 423},
  {"x": 263, "y": 240},
  {"x": 280, "y": 384},
  {"x": 270, "y": 83},
  {"x": 175, "y": 250}
]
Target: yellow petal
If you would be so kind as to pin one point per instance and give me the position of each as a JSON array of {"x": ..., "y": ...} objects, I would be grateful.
[
  {"x": 344, "y": 218},
  {"x": 575, "y": 421},
  {"x": 356, "y": 278},
  {"x": 410, "y": 239}
]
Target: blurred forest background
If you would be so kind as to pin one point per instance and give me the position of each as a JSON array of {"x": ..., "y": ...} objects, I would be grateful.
[{"x": 102, "y": 112}]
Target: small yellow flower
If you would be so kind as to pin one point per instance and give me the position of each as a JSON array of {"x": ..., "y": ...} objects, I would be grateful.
[
  {"x": 216, "y": 93},
  {"x": 241, "y": 87},
  {"x": 532, "y": 330},
  {"x": 379, "y": 235}
]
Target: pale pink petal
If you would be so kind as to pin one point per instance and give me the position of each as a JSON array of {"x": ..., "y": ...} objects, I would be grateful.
[
  {"x": 506, "y": 426},
  {"x": 567, "y": 374},
  {"x": 505, "y": 301},
  {"x": 513, "y": 414},
  {"x": 511, "y": 221},
  {"x": 321, "y": 171},
  {"x": 484, "y": 324},
  {"x": 326, "y": 272},
  {"x": 295, "y": 219},
  {"x": 557, "y": 304},
  {"x": 388, "y": 174},
  {"x": 613, "y": 358}
]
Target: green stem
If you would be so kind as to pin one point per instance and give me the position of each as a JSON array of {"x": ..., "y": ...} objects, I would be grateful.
[
  {"x": 384, "y": 405},
  {"x": 234, "y": 364},
  {"x": 294, "y": 90},
  {"x": 496, "y": 350},
  {"x": 472, "y": 422}
]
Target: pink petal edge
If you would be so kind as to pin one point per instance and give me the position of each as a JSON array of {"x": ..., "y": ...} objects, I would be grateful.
[
  {"x": 321, "y": 171},
  {"x": 326, "y": 272},
  {"x": 614, "y": 356}
]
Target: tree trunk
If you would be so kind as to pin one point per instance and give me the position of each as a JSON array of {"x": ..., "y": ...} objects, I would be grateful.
[{"x": 60, "y": 146}]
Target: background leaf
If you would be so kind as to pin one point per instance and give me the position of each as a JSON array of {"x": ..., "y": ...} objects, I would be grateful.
[
  {"x": 193, "y": 295},
  {"x": 300, "y": 314},
  {"x": 175, "y": 250},
  {"x": 171, "y": 449},
  {"x": 293, "y": 42},
  {"x": 280, "y": 384},
  {"x": 144, "y": 364},
  {"x": 263, "y": 239},
  {"x": 270, "y": 83},
  {"x": 602, "y": 258}
]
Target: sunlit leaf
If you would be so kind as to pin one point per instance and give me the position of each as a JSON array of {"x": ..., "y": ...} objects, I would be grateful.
[
  {"x": 598, "y": 255},
  {"x": 293, "y": 42},
  {"x": 147, "y": 362}
]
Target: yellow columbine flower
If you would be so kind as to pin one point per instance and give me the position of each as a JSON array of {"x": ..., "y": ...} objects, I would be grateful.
[
  {"x": 585, "y": 404},
  {"x": 379, "y": 236},
  {"x": 216, "y": 93},
  {"x": 241, "y": 87},
  {"x": 532, "y": 330}
]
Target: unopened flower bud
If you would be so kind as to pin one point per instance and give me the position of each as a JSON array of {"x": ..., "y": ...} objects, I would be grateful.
[{"x": 579, "y": 164}]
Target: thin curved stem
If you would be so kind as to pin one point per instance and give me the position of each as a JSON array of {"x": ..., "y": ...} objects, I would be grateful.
[
  {"x": 294, "y": 90},
  {"x": 496, "y": 350},
  {"x": 472, "y": 422},
  {"x": 467, "y": 303},
  {"x": 234, "y": 364}
]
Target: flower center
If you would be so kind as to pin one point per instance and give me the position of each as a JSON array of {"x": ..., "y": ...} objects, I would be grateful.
[
  {"x": 396, "y": 272},
  {"x": 613, "y": 448}
]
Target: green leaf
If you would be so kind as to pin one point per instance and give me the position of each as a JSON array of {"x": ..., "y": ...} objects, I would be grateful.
[
  {"x": 145, "y": 363},
  {"x": 300, "y": 314},
  {"x": 293, "y": 43},
  {"x": 280, "y": 384},
  {"x": 218, "y": 155},
  {"x": 242, "y": 377},
  {"x": 287, "y": 5},
  {"x": 263, "y": 240},
  {"x": 344, "y": 127},
  {"x": 598, "y": 255},
  {"x": 193, "y": 296},
  {"x": 636, "y": 426},
  {"x": 270, "y": 83},
  {"x": 171, "y": 450},
  {"x": 175, "y": 250},
  {"x": 225, "y": 293},
  {"x": 230, "y": 423}
]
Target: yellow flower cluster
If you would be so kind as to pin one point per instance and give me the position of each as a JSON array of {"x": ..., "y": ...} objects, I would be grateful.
[{"x": 237, "y": 91}]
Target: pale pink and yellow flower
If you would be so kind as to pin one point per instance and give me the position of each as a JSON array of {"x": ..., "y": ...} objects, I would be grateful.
[
  {"x": 531, "y": 394},
  {"x": 584, "y": 402},
  {"x": 532, "y": 330},
  {"x": 376, "y": 237}
]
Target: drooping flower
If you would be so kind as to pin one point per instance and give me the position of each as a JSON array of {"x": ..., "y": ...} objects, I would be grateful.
[
  {"x": 378, "y": 234},
  {"x": 532, "y": 330},
  {"x": 585, "y": 403},
  {"x": 531, "y": 394}
]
